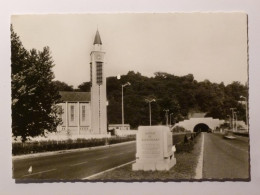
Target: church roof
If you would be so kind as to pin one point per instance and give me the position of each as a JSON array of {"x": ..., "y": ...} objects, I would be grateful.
[
  {"x": 97, "y": 39},
  {"x": 75, "y": 96}
]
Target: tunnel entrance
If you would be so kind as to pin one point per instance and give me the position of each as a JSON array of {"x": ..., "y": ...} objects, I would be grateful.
[{"x": 201, "y": 127}]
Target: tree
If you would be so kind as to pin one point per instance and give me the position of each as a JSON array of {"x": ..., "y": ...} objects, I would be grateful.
[
  {"x": 180, "y": 95},
  {"x": 34, "y": 95},
  {"x": 84, "y": 87},
  {"x": 61, "y": 86}
]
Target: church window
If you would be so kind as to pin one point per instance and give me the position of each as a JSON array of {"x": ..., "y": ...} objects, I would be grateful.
[
  {"x": 99, "y": 73},
  {"x": 72, "y": 113},
  {"x": 83, "y": 113}
]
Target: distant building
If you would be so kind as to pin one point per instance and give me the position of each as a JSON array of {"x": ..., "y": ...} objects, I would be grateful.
[{"x": 86, "y": 112}]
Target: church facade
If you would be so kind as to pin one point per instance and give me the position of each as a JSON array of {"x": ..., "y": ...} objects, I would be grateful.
[{"x": 85, "y": 113}]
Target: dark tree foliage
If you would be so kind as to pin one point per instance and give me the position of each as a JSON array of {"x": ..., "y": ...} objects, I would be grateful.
[
  {"x": 179, "y": 94},
  {"x": 34, "y": 95},
  {"x": 85, "y": 87},
  {"x": 61, "y": 86}
]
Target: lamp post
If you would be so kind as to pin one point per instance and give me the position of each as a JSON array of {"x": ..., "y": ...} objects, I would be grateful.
[
  {"x": 150, "y": 110},
  {"x": 246, "y": 112},
  {"x": 232, "y": 109},
  {"x": 171, "y": 119},
  {"x": 166, "y": 115},
  {"x": 229, "y": 120},
  {"x": 126, "y": 84},
  {"x": 235, "y": 113}
]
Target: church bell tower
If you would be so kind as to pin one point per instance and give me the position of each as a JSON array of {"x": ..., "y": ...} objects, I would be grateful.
[{"x": 98, "y": 88}]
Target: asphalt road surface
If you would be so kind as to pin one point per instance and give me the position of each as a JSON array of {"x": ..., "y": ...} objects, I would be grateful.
[
  {"x": 74, "y": 165},
  {"x": 225, "y": 158}
]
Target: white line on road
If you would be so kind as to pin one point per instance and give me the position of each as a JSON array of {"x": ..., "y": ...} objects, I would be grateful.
[
  {"x": 39, "y": 172},
  {"x": 102, "y": 158},
  {"x": 79, "y": 163},
  {"x": 199, "y": 169},
  {"x": 100, "y": 173},
  {"x": 119, "y": 154}
]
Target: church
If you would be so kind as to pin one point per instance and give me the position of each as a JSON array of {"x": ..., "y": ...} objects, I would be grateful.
[{"x": 85, "y": 113}]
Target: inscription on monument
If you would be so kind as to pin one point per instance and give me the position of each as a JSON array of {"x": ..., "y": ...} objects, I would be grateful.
[{"x": 150, "y": 144}]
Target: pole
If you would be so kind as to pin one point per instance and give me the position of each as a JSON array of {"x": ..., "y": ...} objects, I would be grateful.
[
  {"x": 246, "y": 100},
  {"x": 171, "y": 119},
  {"x": 235, "y": 121},
  {"x": 122, "y": 107},
  {"x": 247, "y": 116},
  {"x": 232, "y": 109},
  {"x": 150, "y": 113},
  {"x": 166, "y": 115}
]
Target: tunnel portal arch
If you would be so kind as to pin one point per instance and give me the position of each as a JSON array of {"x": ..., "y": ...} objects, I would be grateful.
[
  {"x": 201, "y": 127},
  {"x": 190, "y": 124}
]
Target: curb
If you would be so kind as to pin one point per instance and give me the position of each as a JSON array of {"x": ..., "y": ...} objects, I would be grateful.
[
  {"x": 26, "y": 156},
  {"x": 199, "y": 168}
]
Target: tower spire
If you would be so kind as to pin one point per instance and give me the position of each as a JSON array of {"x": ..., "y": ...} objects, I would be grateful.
[{"x": 97, "y": 39}]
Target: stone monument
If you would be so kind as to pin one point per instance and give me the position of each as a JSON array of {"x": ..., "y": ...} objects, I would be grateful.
[{"x": 154, "y": 149}]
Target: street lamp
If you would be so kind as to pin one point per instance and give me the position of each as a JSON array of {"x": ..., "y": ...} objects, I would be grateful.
[
  {"x": 232, "y": 109},
  {"x": 229, "y": 120},
  {"x": 124, "y": 85},
  {"x": 166, "y": 115},
  {"x": 246, "y": 111},
  {"x": 235, "y": 113},
  {"x": 171, "y": 119},
  {"x": 150, "y": 110}
]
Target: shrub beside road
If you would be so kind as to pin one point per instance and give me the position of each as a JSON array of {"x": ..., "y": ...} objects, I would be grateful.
[{"x": 19, "y": 148}]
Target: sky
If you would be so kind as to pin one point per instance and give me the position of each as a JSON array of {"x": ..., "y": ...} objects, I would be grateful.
[{"x": 210, "y": 46}]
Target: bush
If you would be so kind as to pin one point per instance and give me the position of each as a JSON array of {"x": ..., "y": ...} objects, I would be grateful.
[
  {"x": 184, "y": 147},
  {"x": 178, "y": 129},
  {"x": 44, "y": 146},
  {"x": 184, "y": 142}
]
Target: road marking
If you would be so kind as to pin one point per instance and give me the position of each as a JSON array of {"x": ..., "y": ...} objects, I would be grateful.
[
  {"x": 79, "y": 163},
  {"x": 102, "y": 158},
  {"x": 39, "y": 172},
  {"x": 100, "y": 173},
  {"x": 119, "y": 154},
  {"x": 199, "y": 168}
]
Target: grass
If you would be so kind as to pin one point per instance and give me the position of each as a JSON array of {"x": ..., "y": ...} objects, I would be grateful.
[{"x": 186, "y": 163}]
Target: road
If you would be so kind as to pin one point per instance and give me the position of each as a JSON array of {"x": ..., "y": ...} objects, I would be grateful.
[
  {"x": 225, "y": 158},
  {"x": 74, "y": 165}
]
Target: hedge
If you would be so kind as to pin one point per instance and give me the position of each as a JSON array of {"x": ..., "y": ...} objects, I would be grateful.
[{"x": 47, "y": 146}]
